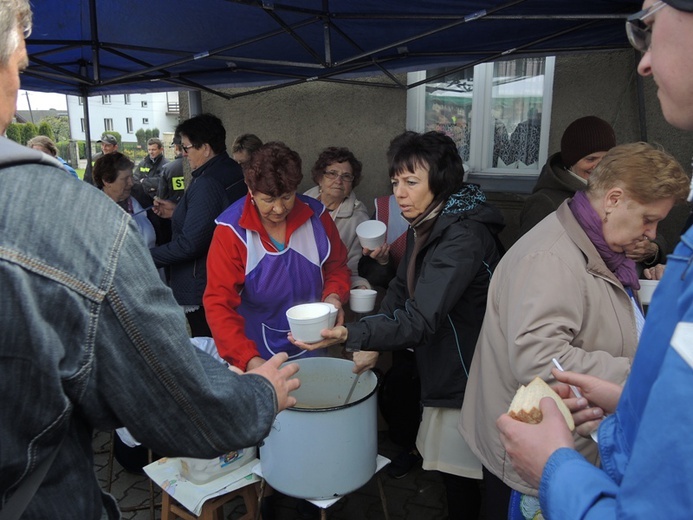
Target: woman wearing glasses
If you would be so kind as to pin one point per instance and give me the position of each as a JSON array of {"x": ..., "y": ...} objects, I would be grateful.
[
  {"x": 337, "y": 172},
  {"x": 270, "y": 251},
  {"x": 217, "y": 181}
]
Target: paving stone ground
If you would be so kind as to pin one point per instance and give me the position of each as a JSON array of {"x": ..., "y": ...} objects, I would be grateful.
[{"x": 418, "y": 496}]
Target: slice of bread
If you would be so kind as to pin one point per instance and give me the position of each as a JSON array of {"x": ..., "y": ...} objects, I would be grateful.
[{"x": 525, "y": 406}]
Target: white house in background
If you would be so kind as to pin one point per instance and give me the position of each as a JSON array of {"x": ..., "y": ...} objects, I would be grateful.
[{"x": 124, "y": 113}]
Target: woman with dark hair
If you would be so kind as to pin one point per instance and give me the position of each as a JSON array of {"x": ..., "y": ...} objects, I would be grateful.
[
  {"x": 272, "y": 250},
  {"x": 436, "y": 303},
  {"x": 217, "y": 181},
  {"x": 336, "y": 173},
  {"x": 113, "y": 175}
]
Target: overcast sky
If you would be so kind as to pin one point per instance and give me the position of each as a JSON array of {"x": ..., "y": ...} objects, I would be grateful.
[{"x": 41, "y": 101}]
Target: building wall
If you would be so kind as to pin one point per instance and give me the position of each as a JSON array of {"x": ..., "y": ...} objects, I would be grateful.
[
  {"x": 156, "y": 112},
  {"x": 313, "y": 116}
]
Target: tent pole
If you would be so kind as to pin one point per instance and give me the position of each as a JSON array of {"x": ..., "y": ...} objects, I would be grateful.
[
  {"x": 87, "y": 137},
  {"x": 195, "y": 102}
]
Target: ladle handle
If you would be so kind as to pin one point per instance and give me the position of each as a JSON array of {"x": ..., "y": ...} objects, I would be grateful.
[{"x": 351, "y": 390}]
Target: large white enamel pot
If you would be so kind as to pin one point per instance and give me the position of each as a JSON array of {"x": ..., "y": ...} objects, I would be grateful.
[{"x": 322, "y": 448}]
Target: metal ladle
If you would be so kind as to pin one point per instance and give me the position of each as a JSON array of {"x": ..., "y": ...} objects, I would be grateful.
[{"x": 351, "y": 390}]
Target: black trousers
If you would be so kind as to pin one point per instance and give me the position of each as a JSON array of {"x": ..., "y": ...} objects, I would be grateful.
[
  {"x": 496, "y": 497},
  {"x": 198, "y": 323}
]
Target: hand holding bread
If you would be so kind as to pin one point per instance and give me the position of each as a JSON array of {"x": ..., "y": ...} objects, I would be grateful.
[
  {"x": 526, "y": 407},
  {"x": 529, "y": 445}
]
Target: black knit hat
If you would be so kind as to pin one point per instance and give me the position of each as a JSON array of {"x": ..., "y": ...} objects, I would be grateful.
[
  {"x": 681, "y": 5},
  {"x": 584, "y": 136}
]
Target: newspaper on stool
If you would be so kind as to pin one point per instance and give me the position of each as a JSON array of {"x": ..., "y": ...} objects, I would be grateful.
[{"x": 194, "y": 481}]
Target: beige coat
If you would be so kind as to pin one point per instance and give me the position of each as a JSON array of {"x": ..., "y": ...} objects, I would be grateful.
[
  {"x": 551, "y": 296},
  {"x": 347, "y": 217}
]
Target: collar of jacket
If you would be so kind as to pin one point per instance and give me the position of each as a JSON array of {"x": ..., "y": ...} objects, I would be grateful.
[
  {"x": 201, "y": 170},
  {"x": 595, "y": 264}
]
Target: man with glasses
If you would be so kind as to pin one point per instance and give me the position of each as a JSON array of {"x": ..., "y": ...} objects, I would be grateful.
[{"x": 646, "y": 453}]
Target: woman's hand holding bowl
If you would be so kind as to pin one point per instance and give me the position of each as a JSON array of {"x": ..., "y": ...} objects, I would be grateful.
[
  {"x": 332, "y": 336},
  {"x": 379, "y": 254},
  {"x": 335, "y": 300}
]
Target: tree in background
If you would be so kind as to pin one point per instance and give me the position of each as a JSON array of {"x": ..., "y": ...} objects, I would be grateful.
[
  {"x": 155, "y": 132},
  {"x": 147, "y": 134},
  {"x": 114, "y": 134},
  {"x": 46, "y": 130},
  {"x": 29, "y": 131},
  {"x": 141, "y": 139},
  {"x": 14, "y": 132},
  {"x": 60, "y": 126}
]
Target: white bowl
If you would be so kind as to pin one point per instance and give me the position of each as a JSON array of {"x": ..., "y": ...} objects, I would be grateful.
[
  {"x": 371, "y": 233},
  {"x": 362, "y": 300},
  {"x": 333, "y": 315},
  {"x": 647, "y": 289},
  {"x": 307, "y": 320}
]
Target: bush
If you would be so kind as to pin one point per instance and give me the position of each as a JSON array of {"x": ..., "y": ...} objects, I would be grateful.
[
  {"x": 45, "y": 129},
  {"x": 63, "y": 149},
  {"x": 141, "y": 139},
  {"x": 29, "y": 131},
  {"x": 116, "y": 135},
  {"x": 14, "y": 132}
]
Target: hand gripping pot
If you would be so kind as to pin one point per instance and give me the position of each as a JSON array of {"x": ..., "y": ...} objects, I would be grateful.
[{"x": 323, "y": 448}]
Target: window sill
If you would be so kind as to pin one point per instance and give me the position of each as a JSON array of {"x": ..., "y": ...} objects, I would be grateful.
[{"x": 503, "y": 182}]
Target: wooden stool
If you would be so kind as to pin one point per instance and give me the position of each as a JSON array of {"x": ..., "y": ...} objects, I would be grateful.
[{"x": 212, "y": 509}]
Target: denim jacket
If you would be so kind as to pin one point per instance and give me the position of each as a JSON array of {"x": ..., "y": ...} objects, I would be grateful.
[{"x": 83, "y": 347}]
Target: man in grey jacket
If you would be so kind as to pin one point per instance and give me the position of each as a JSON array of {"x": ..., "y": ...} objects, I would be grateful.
[{"x": 91, "y": 338}]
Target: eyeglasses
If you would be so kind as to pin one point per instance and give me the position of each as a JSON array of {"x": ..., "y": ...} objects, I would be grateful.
[
  {"x": 333, "y": 175},
  {"x": 638, "y": 32},
  {"x": 186, "y": 148}
]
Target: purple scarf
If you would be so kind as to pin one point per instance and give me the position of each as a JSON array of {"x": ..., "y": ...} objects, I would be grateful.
[{"x": 619, "y": 264}]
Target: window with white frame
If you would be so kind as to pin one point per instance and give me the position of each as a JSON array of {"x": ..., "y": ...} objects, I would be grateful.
[
  {"x": 106, "y": 100},
  {"x": 144, "y": 104},
  {"x": 498, "y": 114},
  {"x": 81, "y": 122},
  {"x": 145, "y": 120},
  {"x": 108, "y": 124},
  {"x": 126, "y": 99},
  {"x": 128, "y": 124}
]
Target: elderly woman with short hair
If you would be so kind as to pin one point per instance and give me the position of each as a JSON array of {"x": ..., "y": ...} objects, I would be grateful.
[
  {"x": 217, "y": 181},
  {"x": 46, "y": 145},
  {"x": 271, "y": 250},
  {"x": 336, "y": 173},
  {"x": 113, "y": 175},
  {"x": 567, "y": 290}
]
